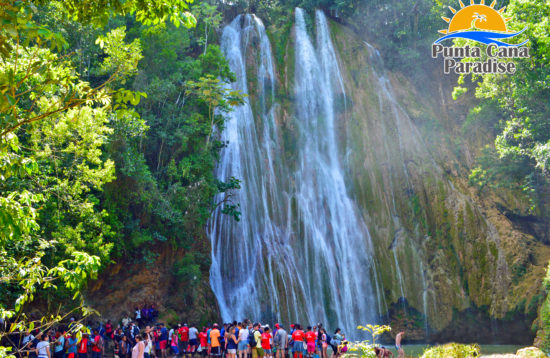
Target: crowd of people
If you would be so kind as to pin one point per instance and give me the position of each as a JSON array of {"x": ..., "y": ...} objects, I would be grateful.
[{"x": 231, "y": 340}]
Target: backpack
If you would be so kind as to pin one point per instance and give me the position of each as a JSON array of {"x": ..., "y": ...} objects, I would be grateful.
[
  {"x": 251, "y": 340},
  {"x": 99, "y": 344},
  {"x": 277, "y": 339},
  {"x": 329, "y": 338}
]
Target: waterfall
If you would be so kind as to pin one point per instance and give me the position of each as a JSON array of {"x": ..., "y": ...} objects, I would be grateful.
[
  {"x": 301, "y": 251},
  {"x": 330, "y": 224}
]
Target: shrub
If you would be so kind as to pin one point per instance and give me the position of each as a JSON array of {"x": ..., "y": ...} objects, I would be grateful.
[
  {"x": 530, "y": 352},
  {"x": 452, "y": 350}
]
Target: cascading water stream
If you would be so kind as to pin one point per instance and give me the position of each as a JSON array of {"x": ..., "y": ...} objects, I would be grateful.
[
  {"x": 301, "y": 251},
  {"x": 330, "y": 223},
  {"x": 405, "y": 131}
]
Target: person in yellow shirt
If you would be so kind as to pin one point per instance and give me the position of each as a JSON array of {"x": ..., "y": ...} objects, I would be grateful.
[
  {"x": 215, "y": 341},
  {"x": 257, "y": 351}
]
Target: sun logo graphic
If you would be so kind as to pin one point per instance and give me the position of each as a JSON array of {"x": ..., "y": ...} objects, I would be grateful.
[{"x": 480, "y": 23}]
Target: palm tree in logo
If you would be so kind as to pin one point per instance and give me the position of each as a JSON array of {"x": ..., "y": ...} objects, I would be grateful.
[{"x": 480, "y": 17}]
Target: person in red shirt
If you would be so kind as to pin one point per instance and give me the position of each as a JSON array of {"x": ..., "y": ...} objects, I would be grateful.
[
  {"x": 203, "y": 339},
  {"x": 82, "y": 347},
  {"x": 109, "y": 330},
  {"x": 97, "y": 345},
  {"x": 298, "y": 337},
  {"x": 266, "y": 342},
  {"x": 184, "y": 337},
  {"x": 310, "y": 340}
]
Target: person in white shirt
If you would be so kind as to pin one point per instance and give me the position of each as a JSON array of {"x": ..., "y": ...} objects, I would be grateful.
[
  {"x": 242, "y": 342},
  {"x": 193, "y": 339},
  {"x": 43, "y": 347}
]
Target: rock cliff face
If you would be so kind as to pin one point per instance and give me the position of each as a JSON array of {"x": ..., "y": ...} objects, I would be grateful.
[
  {"x": 132, "y": 283},
  {"x": 451, "y": 264},
  {"x": 463, "y": 266}
]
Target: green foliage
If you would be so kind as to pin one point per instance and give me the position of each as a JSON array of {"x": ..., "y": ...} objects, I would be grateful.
[
  {"x": 365, "y": 348},
  {"x": 76, "y": 182},
  {"x": 522, "y": 130},
  {"x": 375, "y": 330},
  {"x": 543, "y": 320},
  {"x": 211, "y": 19},
  {"x": 452, "y": 350},
  {"x": 165, "y": 184},
  {"x": 187, "y": 270}
]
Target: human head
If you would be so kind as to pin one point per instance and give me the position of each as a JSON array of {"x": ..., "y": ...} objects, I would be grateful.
[
  {"x": 337, "y": 330},
  {"x": 266, "y": 329},
  {"x": 309, "y": 328}
]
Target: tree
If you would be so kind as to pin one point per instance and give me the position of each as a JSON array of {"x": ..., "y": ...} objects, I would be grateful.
[
  {"x": 53, "y": 126},
  {"x": 521, "y": 153}
]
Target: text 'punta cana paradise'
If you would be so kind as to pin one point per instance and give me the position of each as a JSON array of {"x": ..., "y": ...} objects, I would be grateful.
[{"x": 452, "y": 58}]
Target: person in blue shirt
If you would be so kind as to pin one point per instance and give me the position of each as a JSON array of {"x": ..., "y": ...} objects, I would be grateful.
[
  {"x": 163, "y": 340},
  {"x": 71, "y": 350},
  {"x": 59, "y": 345}
]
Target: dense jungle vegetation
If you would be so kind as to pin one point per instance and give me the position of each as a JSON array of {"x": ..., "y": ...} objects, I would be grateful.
[{"x": 109, "y": 112}]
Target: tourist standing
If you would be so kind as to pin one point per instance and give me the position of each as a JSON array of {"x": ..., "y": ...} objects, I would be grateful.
[
  {"x": 243, "y": 342},
  {"x": 71, "y": 346},
  {"x": 174, "y": 342},
  {"x": 310, "y": 341},
  {"x": 163, "y": 340},
  {"x": 43, "y": 347},
  {"x": 231, "y": 343},
  {"x": 298, "y": 337},
  {"x": 138, "y": 351},
  {"x": 398, "y": 344},
  {"x": 184, "y": 336},
  {"x": 137, "y": 313},
  {"x": 280, "y": 341},
  {"x": 124, "y": 349},
  {"x": 203, "y": 340},
  {"x": 258, "y": 352},
  {"x": 193, "y": 339},
  {"x": 323, "y": 342},
  {"x": 97, "y": 345},
  {"x": 59, "y": 344},
  {"x": 148, "y": 343},
  {"x": 266, "y": 343},
  {"x": 215, "y": 341},
  {"x": 82, "y": 350},
  {"x": 335, "y": 341}
]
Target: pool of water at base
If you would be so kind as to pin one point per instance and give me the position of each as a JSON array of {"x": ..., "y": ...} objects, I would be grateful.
[{"x": 416, "y": 350}]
